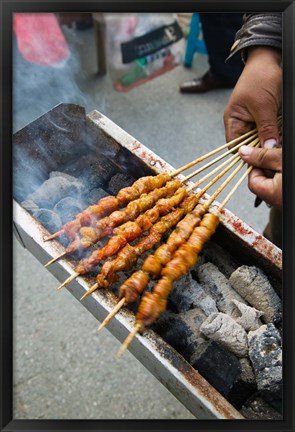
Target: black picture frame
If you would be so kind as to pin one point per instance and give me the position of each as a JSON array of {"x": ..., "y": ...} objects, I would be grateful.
[{"x": 7, "y": 9}]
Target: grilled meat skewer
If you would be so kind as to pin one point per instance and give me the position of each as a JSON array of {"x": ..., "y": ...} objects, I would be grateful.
[
  {"x": 108, "y": 204},
  {"x": 154, "y": 263},
  {"x": 131, "y": 230},
  {"x": 153, "y": 304},
  {"x": 127, "y": 257}
]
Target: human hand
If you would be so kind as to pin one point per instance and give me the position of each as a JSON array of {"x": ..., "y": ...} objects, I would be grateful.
[
  {"x": 256, "y": 98},
  {"x": 265, "y": 180}
]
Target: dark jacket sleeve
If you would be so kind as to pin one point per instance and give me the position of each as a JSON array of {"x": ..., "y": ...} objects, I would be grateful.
[{"x": 263, "y": 29}]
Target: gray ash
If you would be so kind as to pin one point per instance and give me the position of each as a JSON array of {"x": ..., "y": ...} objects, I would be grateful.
[
  {"x": 187, "y": 293},
  {"x": 54, "y": 189},
  {"x": 67, "y": 208},
  {"x": 49, "y": 219}
]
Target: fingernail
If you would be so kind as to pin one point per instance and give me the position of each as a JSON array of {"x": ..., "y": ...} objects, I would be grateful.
[
  {"x": 257, "y": 202},
  {"x": 270, "y": 143},
  {"x": 245, "y": 150}
]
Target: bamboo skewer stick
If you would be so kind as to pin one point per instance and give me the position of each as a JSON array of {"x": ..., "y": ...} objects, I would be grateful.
[
  {"x": 53, "y": 260},
  {"x": 111, "y": 314},
  {"x": 68, "y": 280},
  {"x": 128, "y": 340},
  {"x": 213, "y": 152},
  {"x": 228, "y": 197},
  {"x": 216, "y": 160}
]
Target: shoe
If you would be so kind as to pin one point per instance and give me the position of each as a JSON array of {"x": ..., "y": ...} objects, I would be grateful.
[{"x": 206, "y": 83}]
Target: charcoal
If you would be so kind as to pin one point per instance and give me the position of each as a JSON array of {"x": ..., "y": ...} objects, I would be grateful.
[
  {"x": 225, "y": 330},
  {"x": 187, "y": 293},
  {"x": 244, "y": 386},
  {"x": 220, "y": 258},
  {"x": 67, "y": 209},
  {"x": 53, "y": 190},
  {"x": 178, "y": 333},
  {"x": 256, "y": 408},
  {"x": 92, "y": 170},
  {"x": 217, "y": 286},
  {"x": 266, "y": 356},
  {"x": 119, "y": 181},
  {"x": 218, "y": 366},
  {"x": 93, "y": 196},
  {"x": 247, "y": 316},
  {"x": 30, "y": 205},
  {"x": 81, "y": 167},
  {"x": 50, "y": 220},
  {"x": 253, "y": 285}
]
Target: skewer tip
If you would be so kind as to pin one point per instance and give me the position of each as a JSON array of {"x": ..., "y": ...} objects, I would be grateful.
[
  {"x": 53, "y": 236},
  {"x": 128, "y": 340},
  {"x": 68, "y": 280},
  {"x": 53, "y": 260},
  {"x": 90, "y": 291},
  {"x": 111, "y": 314}
]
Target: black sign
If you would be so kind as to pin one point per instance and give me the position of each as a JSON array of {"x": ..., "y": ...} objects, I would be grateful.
[{"x": 151, "y": 42}]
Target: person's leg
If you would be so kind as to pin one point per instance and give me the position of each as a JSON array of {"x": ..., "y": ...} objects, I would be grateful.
[
  {"x": 219, "y": 31},
  {"x": 273, "y": 230}
]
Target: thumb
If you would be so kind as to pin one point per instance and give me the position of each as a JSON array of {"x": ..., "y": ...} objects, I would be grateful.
[
  {"x": 264, "y": 158},
  {"x": 268, "y": 128}
]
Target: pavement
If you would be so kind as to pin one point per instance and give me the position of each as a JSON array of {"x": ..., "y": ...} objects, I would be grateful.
[{"x": 62, "y": 368}]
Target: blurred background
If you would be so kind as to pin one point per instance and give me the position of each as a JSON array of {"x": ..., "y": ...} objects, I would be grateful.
[{"x": 62, "y": 369}]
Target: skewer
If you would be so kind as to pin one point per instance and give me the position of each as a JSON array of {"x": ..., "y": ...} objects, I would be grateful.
[
  {"x": 213, "y": 152},
  {"x": 68, "y": 280},
  {"x": 54, "y": 235},
  {"x": 128, "y": 340},
  {"x": 53, "y": 260},
  {"x": 228, "y": 197},
  {"x": 111, "y": 314},
  {"x": 138, "y": 325},
  {"x": 193, "y": 174}
]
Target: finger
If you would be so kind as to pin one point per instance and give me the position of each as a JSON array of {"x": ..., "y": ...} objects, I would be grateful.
[
  {"x": 235, "y": 127},
  {"x": 270, "y": 190},
  {"x": 262, "y": 158},
  {"x": 267, "y": 125}
]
